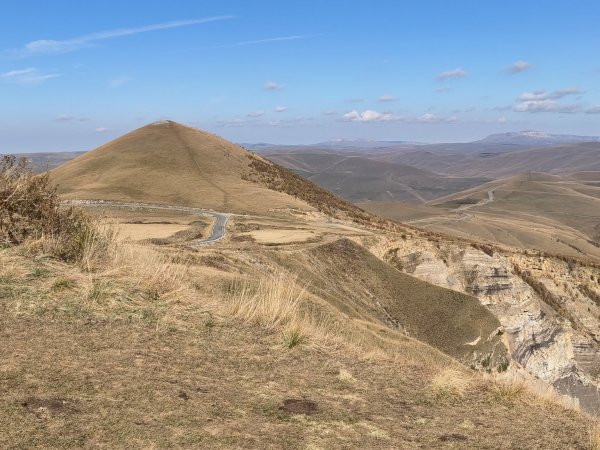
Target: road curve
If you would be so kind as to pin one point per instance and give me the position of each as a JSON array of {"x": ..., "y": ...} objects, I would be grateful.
[{"x": 218, "y": 231}]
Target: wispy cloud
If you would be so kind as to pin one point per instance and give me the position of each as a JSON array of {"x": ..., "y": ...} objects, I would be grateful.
[
  {"x": 516, "y": 67},
  {"x": 443, "y": 89},
  {"x": 450, "y": 74},
  {"x": 49, "y": 47},
  {"x": 541, "y": 94},
  {"x": 387, "y": 98},
  {"x": 374, "y": 116},
  {"x": 261, "y": 41},
  {"x": 102, "y": 130},
  {"x": 466, "y": 110},
  {"x": 25, "y": 76},
  {"x": 537, "y": 106},
  {"x": 270, "y": 86},
  {"x": 330, "y": 112},
  {"x": 593, "y": 110},
  {"x": 256, "y": 113},
  {"x": 501, "y": 119},
  {"x": 230, "y": 123},
  {"x": 281, "y": 109},
  {"x": 67, "y": 118}
]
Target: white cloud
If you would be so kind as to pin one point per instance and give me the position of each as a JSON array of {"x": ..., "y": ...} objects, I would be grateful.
[
  {"x": 387, "y": 111},
  {"x": 373, "y": 116},
  {"x": 272, "y": 86},
  {"x": 516, "y": 67},
  {"x": 536, "y": 106},
  {"x": 275, "y": 123},
  {"x": 541, "y": 94},
  {"x": 47, "y": 46},
  {"x": 330, "y": 112},
  {"x": 64, "y": 118},
  {"x": 456, "y": 73},
  {"x": 501, "y": 119},
  {"x": 25, "y": 76},
  {"x": 256, "y": 113},
  {"x": 387, "y": 98},
  {"x": 230, "y": 123},
  {"x": 281, "y": 109},
  {"x": 593, "y": 110},
  {"x": 102, "y": 130},
  {"x": 443, "y": 89}
]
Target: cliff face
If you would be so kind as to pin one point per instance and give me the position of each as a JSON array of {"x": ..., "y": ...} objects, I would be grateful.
[{"x": 549, "y": 318}]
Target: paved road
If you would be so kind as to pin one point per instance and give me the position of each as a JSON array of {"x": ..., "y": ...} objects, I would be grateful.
[{"x": 218, "y": 231}]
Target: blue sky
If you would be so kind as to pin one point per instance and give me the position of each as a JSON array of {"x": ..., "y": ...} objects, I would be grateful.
[{"x": 74, "y": 75}]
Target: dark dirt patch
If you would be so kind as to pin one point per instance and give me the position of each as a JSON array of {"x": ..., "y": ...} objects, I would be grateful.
[
  {"x": 183, "y": 395},
  {"x": 50, "y": 406},
  {"x": 454, "y": 437},
  {"x": 294, "y": 406}
]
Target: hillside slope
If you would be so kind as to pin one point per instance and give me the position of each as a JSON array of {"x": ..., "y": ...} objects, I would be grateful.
[
  {"x": 558, "y": 160},
  {"x": 172, "y": 164},
  {"x": 361, "y": 179}
]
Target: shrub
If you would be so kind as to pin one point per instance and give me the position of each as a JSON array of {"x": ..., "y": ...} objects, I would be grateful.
[{"x": 30, "y": 210}]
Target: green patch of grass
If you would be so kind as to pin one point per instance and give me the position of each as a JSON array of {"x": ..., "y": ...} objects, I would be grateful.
[
  {"x": 62, "y": 284},
  {"x": 294, "y": 337},
  {"x": 39, "y": 273}
]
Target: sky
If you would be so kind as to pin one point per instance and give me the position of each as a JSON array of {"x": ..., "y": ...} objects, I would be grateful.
[{"x": 75, "y": 75}]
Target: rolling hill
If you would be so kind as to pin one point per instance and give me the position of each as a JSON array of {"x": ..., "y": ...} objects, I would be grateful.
[
  {"x": 360, "y": 179},
  {"x": 533, "y": 210},
  {"x": 172, "y": 164}
]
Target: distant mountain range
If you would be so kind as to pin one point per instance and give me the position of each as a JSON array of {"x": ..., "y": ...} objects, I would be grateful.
[
  {"x": 536, "y": 139},
  {"x": 335, "y": 144},
  {"x": 522, "y": 139}
]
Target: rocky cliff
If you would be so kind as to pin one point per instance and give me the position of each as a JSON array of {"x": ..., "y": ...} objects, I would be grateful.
[{"x": 549, "y": 309}]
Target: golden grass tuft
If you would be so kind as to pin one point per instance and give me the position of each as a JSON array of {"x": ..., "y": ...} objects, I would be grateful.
[
  {"x": 451, "y": 384},
  {"x": 345, "y": 377},
  {"x": 272, "y": 301}
]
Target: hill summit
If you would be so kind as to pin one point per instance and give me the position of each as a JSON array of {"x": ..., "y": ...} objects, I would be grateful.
[{"x": 173, "y": 164}]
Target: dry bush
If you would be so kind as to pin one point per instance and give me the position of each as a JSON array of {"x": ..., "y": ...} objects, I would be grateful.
[{"x": 30, "y": 211}]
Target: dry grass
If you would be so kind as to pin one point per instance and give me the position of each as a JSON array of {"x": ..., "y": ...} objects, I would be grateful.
[
  {"x": 272, "y": 301},
  {"x": 451, "y": 383},
  {"x": 594, "y": 436}
]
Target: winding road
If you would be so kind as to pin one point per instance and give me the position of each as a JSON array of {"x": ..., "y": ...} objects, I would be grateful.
[{"x": 218, "y": 231}]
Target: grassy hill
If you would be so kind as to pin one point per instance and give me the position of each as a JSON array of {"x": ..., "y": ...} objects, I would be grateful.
[
  {"x": 534, "y": 210},
  {"x": 558, "y": 160},
  {"x": 172, "y": 164}
]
